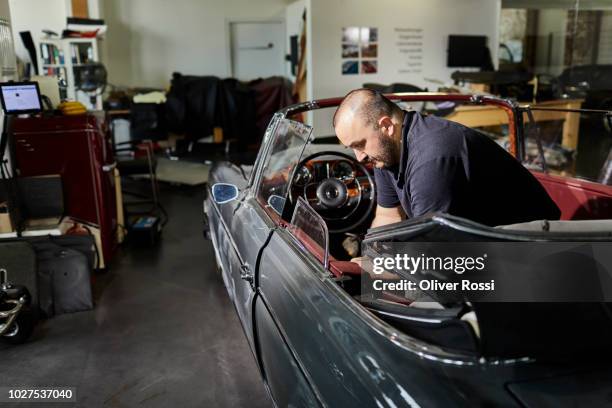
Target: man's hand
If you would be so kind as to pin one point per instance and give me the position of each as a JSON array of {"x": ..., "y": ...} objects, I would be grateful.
[
  {"x": 385, "y": 216},
  {"x": 352, "y": 245}
]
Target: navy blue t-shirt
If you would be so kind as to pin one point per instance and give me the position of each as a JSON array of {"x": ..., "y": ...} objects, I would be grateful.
[{"x": 447, "y": 167}]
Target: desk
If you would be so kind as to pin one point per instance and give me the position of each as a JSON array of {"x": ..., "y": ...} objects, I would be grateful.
[{"x": 480, "y": 116}]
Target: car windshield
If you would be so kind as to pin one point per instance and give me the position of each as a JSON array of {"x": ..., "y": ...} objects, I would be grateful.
[{"x": 286, "y": 147}]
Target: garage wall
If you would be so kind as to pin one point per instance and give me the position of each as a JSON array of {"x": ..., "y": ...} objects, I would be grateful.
[
  {"x": 34, "y": 16},
  {"x": 436, "y": 18},
  {"x": 147, "y": 40}
]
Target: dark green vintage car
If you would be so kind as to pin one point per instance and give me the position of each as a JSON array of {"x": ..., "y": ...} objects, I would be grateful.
[{"x": 320, "y": 339}]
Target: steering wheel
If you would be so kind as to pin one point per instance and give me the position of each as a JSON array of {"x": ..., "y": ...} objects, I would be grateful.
[{"x": 344, "y": 203}]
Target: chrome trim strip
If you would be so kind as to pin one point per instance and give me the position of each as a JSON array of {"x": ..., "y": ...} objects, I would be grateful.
[{"x": 404, "y": 317}]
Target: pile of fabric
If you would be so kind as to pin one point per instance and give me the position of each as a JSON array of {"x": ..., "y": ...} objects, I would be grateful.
[{"x": 197, "y": 104}]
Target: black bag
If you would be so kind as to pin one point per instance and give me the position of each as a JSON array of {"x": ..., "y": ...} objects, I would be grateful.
[
  {"x": 147, "y": 121},
  {"x": 64, "y": 277},
  {"x": 85, "y": 244}
]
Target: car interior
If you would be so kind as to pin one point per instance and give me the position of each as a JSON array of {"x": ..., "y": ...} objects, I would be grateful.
[{"x": 331, "y": 204}]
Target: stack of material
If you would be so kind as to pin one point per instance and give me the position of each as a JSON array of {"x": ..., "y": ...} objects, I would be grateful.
[{"x": 198, "y": 104}]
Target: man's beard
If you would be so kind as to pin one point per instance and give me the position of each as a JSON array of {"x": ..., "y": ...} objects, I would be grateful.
[{"x": 389, "y": 155}]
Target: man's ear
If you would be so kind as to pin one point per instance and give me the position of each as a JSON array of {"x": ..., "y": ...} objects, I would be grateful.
[{"x": 386, "y": 125}]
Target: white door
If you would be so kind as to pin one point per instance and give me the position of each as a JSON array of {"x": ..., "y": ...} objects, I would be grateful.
[{"x": 258, "y": 49}]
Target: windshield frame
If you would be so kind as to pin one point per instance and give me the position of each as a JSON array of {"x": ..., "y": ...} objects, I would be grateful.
[{"x": 285, "y": 132}]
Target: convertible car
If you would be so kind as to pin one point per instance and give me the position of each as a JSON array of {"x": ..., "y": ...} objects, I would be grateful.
[{"x": 279, "y": 229}]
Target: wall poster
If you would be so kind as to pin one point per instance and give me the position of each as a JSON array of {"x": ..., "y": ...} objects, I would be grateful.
[{"x": 359, "y": 50}]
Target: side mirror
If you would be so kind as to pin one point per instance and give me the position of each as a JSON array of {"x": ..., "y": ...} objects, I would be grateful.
[{"x": 224, "y": 193}]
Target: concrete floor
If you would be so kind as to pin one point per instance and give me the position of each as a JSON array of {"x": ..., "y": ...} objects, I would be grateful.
[{"x": 163, "y": 332}]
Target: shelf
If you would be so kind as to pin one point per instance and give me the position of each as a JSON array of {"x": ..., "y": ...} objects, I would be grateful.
[{"x": 73, "y": 53}]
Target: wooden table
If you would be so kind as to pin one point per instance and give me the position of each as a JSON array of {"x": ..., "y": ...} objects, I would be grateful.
[{"x": 488, "y": 115}]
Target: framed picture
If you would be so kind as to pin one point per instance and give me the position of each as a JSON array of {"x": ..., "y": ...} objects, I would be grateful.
[
  {"x": 350, "y": 35},
  {"x": 368, "y": 34},
  {"x": 350, "y": 51},
  {"x": 350, "y": 67},
  {"x": 369, "y": 66},
  {"x": 369, "y": 50}
]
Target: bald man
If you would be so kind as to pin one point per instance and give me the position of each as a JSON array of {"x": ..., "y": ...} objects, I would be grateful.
[{"x": 428, "y": 164}]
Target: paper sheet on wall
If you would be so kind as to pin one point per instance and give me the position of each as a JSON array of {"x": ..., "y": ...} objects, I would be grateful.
[{"x": 409, "y": 46}]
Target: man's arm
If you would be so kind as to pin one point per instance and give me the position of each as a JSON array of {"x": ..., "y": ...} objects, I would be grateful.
[
  {"x": 388, "y": 208},
  {"x": 385, "y": 216}
]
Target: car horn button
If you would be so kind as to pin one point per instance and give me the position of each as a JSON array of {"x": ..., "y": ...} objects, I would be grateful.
[{"x": 332, "y": 193}]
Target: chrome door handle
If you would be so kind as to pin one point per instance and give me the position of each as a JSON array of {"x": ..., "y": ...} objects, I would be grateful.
[{"x": 246, "y": 273}]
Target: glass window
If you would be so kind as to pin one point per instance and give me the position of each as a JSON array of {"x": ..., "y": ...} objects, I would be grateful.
[
  {"x": 286, "y": 148},
  {"x": 575, "y": 144},
  {"x": 310, "y": 229},
  {"x": 491, "y": 120}
]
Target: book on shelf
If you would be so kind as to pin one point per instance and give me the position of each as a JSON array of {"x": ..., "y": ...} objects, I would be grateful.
[
  {"x": 44, "y": 52},
  {"x": 75, "y": 54},
  {"x": 51, "y": 54}
]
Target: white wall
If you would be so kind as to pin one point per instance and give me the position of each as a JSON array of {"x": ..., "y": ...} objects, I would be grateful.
[
  {"x": 147, "y": 40},
  {"x": 34, "y": 16},
  {"x": 437, "y": 18}
]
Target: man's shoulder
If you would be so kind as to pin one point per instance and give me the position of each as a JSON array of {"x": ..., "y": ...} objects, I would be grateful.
[
  {"x": 431, "y": 138},
  {"x": 430, "y": 124}
]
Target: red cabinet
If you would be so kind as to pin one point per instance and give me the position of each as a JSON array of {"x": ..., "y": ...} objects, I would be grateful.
[{"x": 77, "y": 148}]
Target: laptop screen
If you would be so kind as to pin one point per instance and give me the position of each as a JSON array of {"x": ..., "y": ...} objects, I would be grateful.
[{"x": 20, "y": 97}]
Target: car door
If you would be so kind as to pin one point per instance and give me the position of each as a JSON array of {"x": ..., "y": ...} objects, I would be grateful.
[
  {"x": 298, "y": 328},
  {"x": 318, "y": 347},
  {"x": 247, "y": 222},
  {"x": 251, "y": 228}
]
